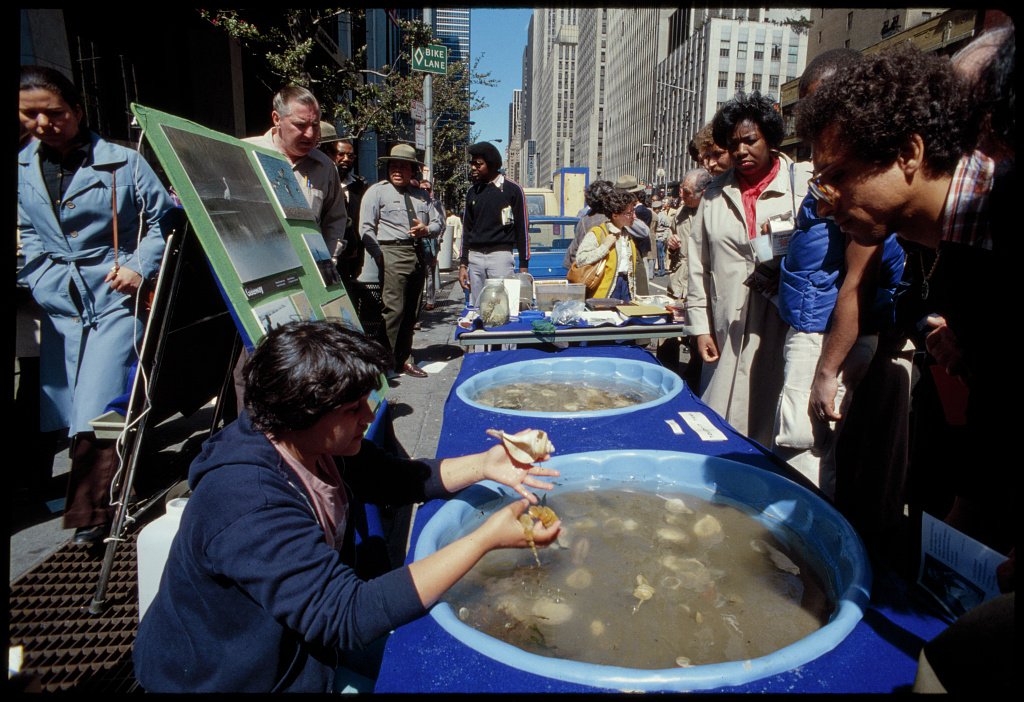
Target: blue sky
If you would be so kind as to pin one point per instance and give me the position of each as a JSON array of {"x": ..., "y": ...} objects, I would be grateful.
[{"x": 497, "y": 37}]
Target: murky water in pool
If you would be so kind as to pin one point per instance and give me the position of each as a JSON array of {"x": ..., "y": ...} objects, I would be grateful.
[
  {"x": 646, "y": 581},
  {"x": 569, "y": 395}
]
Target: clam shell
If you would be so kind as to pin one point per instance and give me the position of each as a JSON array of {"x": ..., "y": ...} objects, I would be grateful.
[{"x": 778, "y": 558}]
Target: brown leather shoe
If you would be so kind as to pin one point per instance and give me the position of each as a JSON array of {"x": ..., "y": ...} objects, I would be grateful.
[{"x": 414, "y": 370}]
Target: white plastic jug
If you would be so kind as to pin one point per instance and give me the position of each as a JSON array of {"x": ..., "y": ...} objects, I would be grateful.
[{"x": 152, "y": 547}]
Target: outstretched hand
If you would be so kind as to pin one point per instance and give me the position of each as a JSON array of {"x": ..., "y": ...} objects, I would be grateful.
[{"x": 501, "y": 467}]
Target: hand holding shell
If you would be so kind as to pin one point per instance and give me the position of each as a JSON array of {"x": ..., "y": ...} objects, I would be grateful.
[{"x": 526, "y": 446}]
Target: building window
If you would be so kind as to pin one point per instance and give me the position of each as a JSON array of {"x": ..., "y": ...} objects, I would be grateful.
[
  {"x": 776, "y": 52},
  {"x": 759, "y": 52},
  {"x": 755, "y": 82},
  {"x": 794, "y": 53},
  {"x": 741, "y": 51},
  {"x": 724, "y": 50},
  {"x": 849, "y": 21},
  {"x": 741, "y": 80},
  {"x": 723, "y": 79},
  {"x": 773, "y": 82},
  {"x": 819, "y": 34},
  {"x": 846, "y": 44}
]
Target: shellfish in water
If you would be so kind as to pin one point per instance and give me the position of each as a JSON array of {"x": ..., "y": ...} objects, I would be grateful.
[
  {"x": 526, "y": 446},
  {"x": 545, "y": 515},
  {"x": 778, "y": 558},
  {"x": 643, "y": 592}
]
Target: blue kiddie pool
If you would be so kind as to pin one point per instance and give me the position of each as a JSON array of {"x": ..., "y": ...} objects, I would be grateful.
[
  {"x": 794, "y": 515},
  {"x": 651, "y": 379}
]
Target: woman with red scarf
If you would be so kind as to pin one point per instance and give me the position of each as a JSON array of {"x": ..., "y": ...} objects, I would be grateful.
[{"x": 738, "y": 236}]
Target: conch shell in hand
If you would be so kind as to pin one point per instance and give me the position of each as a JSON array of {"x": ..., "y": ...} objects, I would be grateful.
[{"x": 525, "y": 447}]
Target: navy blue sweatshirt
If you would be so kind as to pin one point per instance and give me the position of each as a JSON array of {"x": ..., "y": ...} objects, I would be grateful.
[
  {"x": 482, "y": 221},
  {"x": 252, "y": 598}
]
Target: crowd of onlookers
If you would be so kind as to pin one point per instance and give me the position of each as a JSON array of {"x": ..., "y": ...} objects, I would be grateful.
[
  {"x": 842, "y": 312},
  {"x": 836, "y": 306}
]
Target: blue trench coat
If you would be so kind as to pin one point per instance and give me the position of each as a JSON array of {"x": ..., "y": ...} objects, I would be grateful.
[{"x": 89, "y": 333}]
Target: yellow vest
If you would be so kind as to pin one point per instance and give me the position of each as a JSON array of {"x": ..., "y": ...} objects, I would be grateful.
[{"x": 611, "y": 265}]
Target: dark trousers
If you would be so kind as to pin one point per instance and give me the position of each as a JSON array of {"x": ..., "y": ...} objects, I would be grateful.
[
  {"x": 93, "y": 465},
  {"x": 403, "y": 286}
]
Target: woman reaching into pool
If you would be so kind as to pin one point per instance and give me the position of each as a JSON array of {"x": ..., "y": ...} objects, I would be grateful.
[{"x": 259, "y": 591}]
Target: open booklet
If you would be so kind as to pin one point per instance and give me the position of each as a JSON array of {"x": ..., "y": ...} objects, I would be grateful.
[{"x": 959, "y": 572}]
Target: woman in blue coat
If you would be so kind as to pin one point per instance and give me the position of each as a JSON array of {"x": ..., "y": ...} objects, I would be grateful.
[{"x": 70, "y": 181}]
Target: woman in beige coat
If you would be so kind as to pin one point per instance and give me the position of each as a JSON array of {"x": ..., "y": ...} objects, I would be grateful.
[{"x": 738, "y": 330}]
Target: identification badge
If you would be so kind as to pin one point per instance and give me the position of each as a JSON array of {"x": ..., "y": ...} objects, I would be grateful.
[
  {"x": 506, "y": 215},
  {"x": 781, "y": 230}
]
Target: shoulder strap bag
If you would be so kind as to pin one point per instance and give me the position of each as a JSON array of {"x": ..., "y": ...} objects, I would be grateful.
[{"x": 590, "y": 274}]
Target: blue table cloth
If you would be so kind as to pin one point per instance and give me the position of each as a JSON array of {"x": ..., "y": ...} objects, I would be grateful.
[{"x": 880, "y": 655}]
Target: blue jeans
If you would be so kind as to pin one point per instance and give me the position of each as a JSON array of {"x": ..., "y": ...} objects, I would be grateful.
[{"x": 661, "y": 256}]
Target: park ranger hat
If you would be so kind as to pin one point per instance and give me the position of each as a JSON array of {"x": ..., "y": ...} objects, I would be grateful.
[
  {"x": 628, "y": 183},
  {"x": 402, "y": 152},
  {"x": 328, "y": 133}
]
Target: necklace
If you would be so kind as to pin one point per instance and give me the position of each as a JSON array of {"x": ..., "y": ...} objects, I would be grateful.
[{"x": 927, "y": 276}]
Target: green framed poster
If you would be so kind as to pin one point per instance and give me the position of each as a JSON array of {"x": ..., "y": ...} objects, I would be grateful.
[{"x": 254, "y": 225}]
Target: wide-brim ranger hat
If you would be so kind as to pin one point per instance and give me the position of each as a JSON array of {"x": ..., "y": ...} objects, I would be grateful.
[
  {"x": 328, "y": 133},
  {"x": 402, "y": 152},
  {"x": 628, "y": 183}
]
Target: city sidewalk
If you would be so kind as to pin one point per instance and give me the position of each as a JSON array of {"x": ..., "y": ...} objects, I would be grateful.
[{"x": 417, "y": 406}]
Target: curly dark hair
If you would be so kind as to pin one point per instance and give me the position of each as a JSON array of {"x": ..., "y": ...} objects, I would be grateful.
[
  {"x": 609, "y": 202},
  {"x": 759, "y": 109},
  {"x": 879, "y": 102},
  {"x": 612, "y": 201},
  {"x": 303, "y": 370},
  {"x": 597, "y": 189}
]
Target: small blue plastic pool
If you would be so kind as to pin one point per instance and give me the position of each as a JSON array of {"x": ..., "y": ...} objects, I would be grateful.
[
  {"x": 649, "y": 377},
  {"x": 794, "y": 515}
]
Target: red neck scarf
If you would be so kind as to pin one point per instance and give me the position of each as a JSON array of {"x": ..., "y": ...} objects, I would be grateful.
[{"x": 751, "y": 191}]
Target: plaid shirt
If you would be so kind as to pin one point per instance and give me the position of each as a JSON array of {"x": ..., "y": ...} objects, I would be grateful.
[{"x": 965, "y": 219}]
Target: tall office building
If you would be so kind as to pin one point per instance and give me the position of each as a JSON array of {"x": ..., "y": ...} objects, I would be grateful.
[
  {"x": 591, "y": 75},
  {"x": 528, "y": 151},
  {"x": 515, "y": 137},
  {"x": 451, "y": 28},
  {"x": 554, "y": 39},
  {"x": 711, "y": 55},
  {"x": 636, "y": 39},
  {"x": 833, "y": 28}
]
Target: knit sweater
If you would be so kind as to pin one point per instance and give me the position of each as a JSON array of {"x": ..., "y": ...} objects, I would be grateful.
[{"x": 483, "y": 228}]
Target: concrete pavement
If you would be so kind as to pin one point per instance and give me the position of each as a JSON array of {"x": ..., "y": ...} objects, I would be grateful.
[{"x": 417, "y": 408}]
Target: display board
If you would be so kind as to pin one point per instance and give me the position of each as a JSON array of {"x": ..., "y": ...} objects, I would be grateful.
[{"x": 251, "y": 218}]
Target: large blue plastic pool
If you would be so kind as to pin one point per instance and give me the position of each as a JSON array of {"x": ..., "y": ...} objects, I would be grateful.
[{"x": 793, "y": 514}]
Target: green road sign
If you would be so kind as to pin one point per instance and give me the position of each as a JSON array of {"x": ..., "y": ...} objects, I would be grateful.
[{"x": 432, "y": 58}]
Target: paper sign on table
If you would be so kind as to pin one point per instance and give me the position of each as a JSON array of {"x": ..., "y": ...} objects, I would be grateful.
[{"x": 702, "y": 426}]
